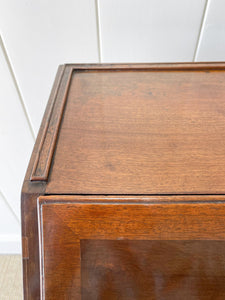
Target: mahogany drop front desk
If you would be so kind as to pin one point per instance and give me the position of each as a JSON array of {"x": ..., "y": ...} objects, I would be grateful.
[{"x": 124, "y": 196}]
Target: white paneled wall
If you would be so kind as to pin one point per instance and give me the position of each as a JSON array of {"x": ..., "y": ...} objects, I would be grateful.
[
  {"x": 212, "y": 39},
  {"x": 16, "y": 142},
  {"x": 37, "y": 36},
  {"x": 149, "y": 30},
  {"x": 9, "y": 228}
]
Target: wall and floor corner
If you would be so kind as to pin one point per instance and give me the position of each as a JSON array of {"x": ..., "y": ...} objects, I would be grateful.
[{"x": 38, "y": 36}]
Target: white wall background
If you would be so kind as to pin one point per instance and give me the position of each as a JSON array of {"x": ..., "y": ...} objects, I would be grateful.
[{"x": 37, "y": 36}]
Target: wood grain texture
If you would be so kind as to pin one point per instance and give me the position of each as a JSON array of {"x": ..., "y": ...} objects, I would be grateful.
[
  {"x": 142, "y": 131},
  {"x": 58, "y": 98},
  {"x": 31, "y": 190},
  {"x": 129, "y": 130},
  {"x": 65, "y": 225},
  {"x": 128, "y": 269}
]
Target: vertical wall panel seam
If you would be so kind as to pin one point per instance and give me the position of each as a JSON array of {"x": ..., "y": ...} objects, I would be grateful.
[
  {"x": 201, "y": 29},
  {"x": 17, "y": 87},
  {"x": 9, "y": 207},
  {"x": 98, "y": 30}
]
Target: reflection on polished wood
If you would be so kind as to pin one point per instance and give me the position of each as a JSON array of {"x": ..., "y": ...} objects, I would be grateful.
[
  {"x": 127, "y": 270},
  {"x": 110, "y": 248},
  {"x": 142, "y": 132}
]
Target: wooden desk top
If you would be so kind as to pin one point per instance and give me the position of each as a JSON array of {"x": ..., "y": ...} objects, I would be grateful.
[{"x": 135, "y": 129}]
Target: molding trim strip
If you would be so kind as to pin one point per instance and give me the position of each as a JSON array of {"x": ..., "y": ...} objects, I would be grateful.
[{"x": 46, "y": 147}]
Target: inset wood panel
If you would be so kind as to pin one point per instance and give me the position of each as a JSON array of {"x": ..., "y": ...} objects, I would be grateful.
[
  {"x": 128, "y": 269},
  {"x": 143, "y": 130},
  {"x": 65, "y": 225}
]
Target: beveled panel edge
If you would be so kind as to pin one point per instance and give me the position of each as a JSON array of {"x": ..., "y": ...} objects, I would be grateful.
[
  {"x": 41, "y": 239},
  {"x": 51, "y": 122},
  {"x": 128, "y": 199},
  {"x": 41, "y": 248}
]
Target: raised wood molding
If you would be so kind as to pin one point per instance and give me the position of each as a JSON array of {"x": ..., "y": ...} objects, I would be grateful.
[
  {"x": 45, "y": 152},
  {"x": 151, "y": 66}
]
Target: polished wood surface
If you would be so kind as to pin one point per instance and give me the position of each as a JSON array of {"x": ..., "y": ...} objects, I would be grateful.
[
  {"x": 107, "y": 249},
  {"x": 31, "y": 190},
  {"x": 142, "y": 132},
  {"x": 128, "y": 269},
  {"x": 151, "y": 137}
]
